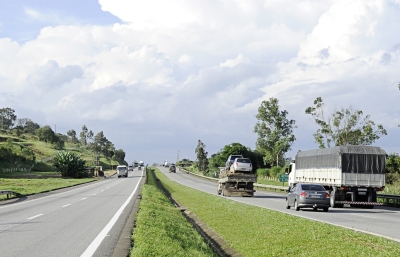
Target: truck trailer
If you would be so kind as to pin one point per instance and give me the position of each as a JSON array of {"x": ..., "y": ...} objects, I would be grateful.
[{"x": 351, "y": 174}]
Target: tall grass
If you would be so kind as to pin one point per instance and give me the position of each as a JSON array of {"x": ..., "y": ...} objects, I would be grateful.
[{"x": 161, "y": 230}]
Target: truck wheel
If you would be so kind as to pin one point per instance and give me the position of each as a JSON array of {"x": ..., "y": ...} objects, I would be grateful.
[
  {"x": 296, "y": 206},
  {"x": 287, "y": 204}
]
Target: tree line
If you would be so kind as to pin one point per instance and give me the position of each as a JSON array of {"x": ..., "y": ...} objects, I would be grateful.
[{"x": 345, "y": 126}]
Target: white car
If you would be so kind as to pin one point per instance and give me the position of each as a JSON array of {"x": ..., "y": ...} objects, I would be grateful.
[
  {"x": 122, "y": 171},
  {"x": 130, "y": 167},
  {"x": 242, "y": 165}
]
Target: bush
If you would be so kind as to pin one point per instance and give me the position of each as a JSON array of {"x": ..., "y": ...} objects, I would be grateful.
[
  {"x": 276, "y": 170},
  {"x": 263, "y": 172},
  {"x": 70, "y": 165}
]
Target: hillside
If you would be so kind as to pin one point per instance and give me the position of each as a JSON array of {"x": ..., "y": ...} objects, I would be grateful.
[{"x": 25, "y": 152}]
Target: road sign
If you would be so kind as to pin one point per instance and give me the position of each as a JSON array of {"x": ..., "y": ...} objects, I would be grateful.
[{"x": 283, "y": 178}]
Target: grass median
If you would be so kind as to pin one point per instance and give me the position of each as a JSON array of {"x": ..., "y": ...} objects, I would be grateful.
[
  {"x": 161, "y": 230},
  {"x": 255, "y": 231}
]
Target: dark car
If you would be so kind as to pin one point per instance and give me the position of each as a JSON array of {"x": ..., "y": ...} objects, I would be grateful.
[
  {"x": 172, "y": 168},
  {"x": 308, "y": 196},
  {"x": 231, "y": 159}
]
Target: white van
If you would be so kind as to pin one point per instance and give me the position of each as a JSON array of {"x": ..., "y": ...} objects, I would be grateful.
[{"x": 122, "y": 171}]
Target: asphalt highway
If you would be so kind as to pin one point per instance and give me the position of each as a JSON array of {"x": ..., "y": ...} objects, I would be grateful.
[
  {"x": 83, "y": 221},
  {"x": 380, "y": 221}
]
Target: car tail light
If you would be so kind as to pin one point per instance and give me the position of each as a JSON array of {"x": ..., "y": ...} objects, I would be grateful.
[
  {"x": 237, "y": 164},
  {"x": 327, "y": 195},
  {"x": 250, "y": 164},
  {"x": 303, "y": 194}
]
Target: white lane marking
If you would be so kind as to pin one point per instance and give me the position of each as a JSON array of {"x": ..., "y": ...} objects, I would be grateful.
[
  {"x": 97, "y": 241},
  {"x": 95, "y": 194},
  {"x": 84, "y": 198},
  {"x": 102, "y": 190},
  {"x": 34, "y": 217},
  {"x": 66, "y": 205}
]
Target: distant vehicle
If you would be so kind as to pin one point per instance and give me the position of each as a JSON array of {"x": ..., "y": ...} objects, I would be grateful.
[
  {"x": 130, "y": 167},
  {"x": 230, "y": 160},
  {"x": 172, "y": 168},
  {"x": 304, "y": 195},
  {"x": 122, "y": 171},
  {"x": 242, "y": 164},
  {"x": 135, "y": 164},
  {"x": 141, "y": 164},
  {"x": 166, "y": 164}
]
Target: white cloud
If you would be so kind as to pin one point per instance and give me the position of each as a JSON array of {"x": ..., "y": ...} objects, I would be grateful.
[{"x": 199, "y": 70}]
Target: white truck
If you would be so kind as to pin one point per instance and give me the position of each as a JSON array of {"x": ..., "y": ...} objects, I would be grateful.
[
  {"x": 122, "y": 171},
  {"x": 351, "y": 174}
]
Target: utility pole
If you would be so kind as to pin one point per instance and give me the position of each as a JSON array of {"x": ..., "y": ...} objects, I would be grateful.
[
  {"x": 177, "y": 157},
  {"x": 55, "y": 129}
]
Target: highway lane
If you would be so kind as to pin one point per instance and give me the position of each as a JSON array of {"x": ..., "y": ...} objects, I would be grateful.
[
  {"x": 67, "y": 223},
  {"x": 381, "y": 221}
]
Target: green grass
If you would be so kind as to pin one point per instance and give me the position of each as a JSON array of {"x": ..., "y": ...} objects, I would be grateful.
[
  {"x": 35, "y": 186},
  {"x": 255, "y": 231},
  {"x": 265, "y": 181},
  {"x": 161, "y": 230}
]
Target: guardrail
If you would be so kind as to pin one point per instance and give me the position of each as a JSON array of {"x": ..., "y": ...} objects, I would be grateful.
[
  {"x": 9, "y": 193},
  {"x": 390, "y": 200}
]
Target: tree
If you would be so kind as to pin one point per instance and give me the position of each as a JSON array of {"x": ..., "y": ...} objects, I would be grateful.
[
  {"x": 7, "y": 118},
  {"x": 90, "y": 136},
  {"x": 343, "y": 127},
  {"x": 31, "y": 127},
  {"x": 119, "y": 156},
  {"x": 201, "y": 154},
  {"x": 275, "y": 132},
  {"x": 45, "y": 134},
  {"x": 72, "y": 136},
  {"x": 83, "y": 135},
  {"x": 392, "y": 168},
  {"x": 218, "y": 159}
]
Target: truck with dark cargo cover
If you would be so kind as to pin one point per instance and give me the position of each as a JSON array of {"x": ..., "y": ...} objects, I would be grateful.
[
  {"x": 351, "y": 174},
  {"x": 236, "y": 182}
]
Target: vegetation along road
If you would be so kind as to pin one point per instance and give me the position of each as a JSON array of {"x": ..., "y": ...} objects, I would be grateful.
[{"x": 382, "y": 221}]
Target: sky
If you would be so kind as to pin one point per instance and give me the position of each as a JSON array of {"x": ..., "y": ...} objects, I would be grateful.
[{"x": 158, "y": 76}]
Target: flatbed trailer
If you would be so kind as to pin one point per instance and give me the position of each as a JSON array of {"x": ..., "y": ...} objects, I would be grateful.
[{"x": 236, "y": 184}]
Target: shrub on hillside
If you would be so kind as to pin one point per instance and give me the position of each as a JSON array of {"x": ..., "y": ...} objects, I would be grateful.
[{"x": 70, "y": 165}]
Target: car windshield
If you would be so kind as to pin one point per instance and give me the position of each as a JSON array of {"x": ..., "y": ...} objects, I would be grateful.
[
  {"x": 244, "y": 160},
  {"x": 121, "y": 168},
  {"x": 233, "y": 157},
  {"x": 312, "y": 187}
]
